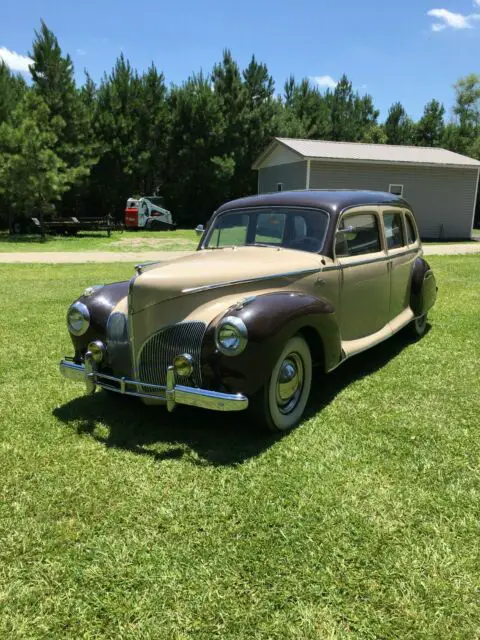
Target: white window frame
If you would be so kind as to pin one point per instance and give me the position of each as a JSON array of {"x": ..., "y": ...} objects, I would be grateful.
[
  {"x": 396, "y": 185},
  {"x": 279, "y": 186}
]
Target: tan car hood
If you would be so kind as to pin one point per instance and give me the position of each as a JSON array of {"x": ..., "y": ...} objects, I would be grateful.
[{"x": 217, "y": 268}]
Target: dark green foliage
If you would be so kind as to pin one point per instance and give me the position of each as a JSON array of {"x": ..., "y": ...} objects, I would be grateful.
[
  {"x": 12, "y": 88},
  {"x": 467, "y": 110},
  {"x": 193, "y": 143},
  {"x": 431, "y": 127},
  {"x": 198, "y": 169},
  {"x": 399, "y": 128},
  {"x": 33, "y": 176}
]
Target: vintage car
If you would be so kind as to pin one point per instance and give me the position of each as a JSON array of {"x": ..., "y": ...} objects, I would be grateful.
[{"x": 279, "y": 283}]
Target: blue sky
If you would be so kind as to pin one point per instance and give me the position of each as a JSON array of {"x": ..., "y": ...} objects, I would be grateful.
[{"x": 412, "y": 52}]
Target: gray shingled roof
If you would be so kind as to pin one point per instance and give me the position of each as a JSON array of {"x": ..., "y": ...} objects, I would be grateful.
[{"x": 379, "y": 153}]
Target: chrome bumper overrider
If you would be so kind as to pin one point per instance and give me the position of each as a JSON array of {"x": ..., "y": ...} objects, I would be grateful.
[{"x": 171, "y": 394}]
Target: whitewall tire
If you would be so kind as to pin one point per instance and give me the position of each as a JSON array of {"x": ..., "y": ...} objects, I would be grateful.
[{"x": 280, "y": 405}]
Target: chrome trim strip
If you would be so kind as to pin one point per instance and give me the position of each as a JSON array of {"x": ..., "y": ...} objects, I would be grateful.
[
  {"x": 218, "y": 285},
  {"x": 384, "y": 258},
  {"x": 171, "y": 394}
]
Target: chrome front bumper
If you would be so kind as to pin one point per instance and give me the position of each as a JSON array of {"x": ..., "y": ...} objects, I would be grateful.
[{"x": 172, "y": 394}]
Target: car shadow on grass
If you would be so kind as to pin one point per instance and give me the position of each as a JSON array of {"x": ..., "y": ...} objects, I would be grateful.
[
  {"x": 125, "y": 423},
  {"x": 208, "y": 437}
]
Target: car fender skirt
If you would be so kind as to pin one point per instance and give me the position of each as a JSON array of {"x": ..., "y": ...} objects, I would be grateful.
[
  {"x": 271, "y": 319},
  {"x": 424, "y": 287}
]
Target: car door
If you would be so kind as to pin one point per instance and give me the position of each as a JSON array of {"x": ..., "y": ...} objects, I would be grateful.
[
  {"x": 365, "y": 279},
  {"x": 400, "y": 259}
]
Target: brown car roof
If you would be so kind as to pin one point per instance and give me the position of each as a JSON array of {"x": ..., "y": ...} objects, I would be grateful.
[{"x": 332, "y": 201}]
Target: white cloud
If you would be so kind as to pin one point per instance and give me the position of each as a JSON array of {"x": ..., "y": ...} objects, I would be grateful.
[
  {"x": 476, "y": 3},
  {"x": 15, "y": 61},
  {"x": 324, "y": 81},
  {"x": 81, "y": 52},
  {"x": 452, "y": 20}
]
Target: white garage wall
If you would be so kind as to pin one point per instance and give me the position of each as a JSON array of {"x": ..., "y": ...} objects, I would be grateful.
[{"x": 442, "y": 198}]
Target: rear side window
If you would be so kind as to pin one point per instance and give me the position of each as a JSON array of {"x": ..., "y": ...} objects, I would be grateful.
[
  {"x": 357, "y": 234},
  {"x": 393, "y": 230},
  {"x": 411, "y": 233}
]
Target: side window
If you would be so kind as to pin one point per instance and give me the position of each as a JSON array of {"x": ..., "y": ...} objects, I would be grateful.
[
  {"x": 393, "y": 230},
  {"x": 357, "y": 234},
  {"x": 411, "y": 233}
]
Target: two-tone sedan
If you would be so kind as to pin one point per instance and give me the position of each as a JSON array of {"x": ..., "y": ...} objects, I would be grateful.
[{"x": 279, "y": 283}]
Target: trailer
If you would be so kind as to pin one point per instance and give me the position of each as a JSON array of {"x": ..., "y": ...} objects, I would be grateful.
[{"x": 71, "y": 226}]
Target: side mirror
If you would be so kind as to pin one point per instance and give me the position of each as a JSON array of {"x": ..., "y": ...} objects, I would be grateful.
[{"x": 199, "y": 229}]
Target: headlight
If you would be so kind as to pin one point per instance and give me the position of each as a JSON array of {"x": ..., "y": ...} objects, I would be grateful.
[
  {"x": 78, "y": 319},
  {"x": 231, "y": 336}
]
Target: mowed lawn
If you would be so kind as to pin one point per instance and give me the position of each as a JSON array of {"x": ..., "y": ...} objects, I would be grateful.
[
  {"x": 179, "y": 240},
  {"x": 121, "y": 521}
]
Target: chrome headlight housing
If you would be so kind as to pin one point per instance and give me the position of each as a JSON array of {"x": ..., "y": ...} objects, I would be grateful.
[
  {"x": 78, "y": 319},
  {"x": 231, "y": 336}
]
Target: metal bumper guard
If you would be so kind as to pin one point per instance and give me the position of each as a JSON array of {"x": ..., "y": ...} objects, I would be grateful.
[{"x": 171, "y": 394}]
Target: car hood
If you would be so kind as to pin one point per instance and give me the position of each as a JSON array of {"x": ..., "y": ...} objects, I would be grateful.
[{"x": 219, "y": 268}]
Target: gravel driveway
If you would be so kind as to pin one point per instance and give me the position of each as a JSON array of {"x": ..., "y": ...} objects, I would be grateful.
[{"x": 76, "y": 257}]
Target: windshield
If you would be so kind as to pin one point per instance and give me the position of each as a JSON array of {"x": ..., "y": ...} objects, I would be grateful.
[
  {"x": 292, "y": 228},
  {"x": 157, "y": 201}
]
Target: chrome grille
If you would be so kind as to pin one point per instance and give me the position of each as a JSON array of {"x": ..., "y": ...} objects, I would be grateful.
[{"x": 159, "y": 351}]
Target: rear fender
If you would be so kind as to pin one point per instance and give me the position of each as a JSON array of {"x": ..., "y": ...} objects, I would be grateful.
[
  {"x": 424, "y": 287},
  {"x": 271, "y": 319}
]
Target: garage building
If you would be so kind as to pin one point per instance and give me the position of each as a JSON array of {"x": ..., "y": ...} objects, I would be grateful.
[{"x": 440, "y": 185}]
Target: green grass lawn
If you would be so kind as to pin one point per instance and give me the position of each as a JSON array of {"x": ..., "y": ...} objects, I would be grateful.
[
  {"x": 180, "y": 240},
  {"x": 121, "y": 521}
]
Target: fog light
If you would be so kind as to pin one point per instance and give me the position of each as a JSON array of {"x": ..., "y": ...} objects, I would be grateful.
[
  {"x": 97, "y": 349},
  {"x": 183, "y": 365}
]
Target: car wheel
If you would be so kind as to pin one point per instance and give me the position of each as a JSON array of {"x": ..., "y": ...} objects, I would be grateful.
[
  {"x": 279, "y": 406},
  {"x": 419, "y": 326}
]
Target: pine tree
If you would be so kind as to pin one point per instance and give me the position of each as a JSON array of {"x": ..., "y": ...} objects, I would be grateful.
[
  {"x": 430, "y": 128},
  {"x": 53, "y": 81},
  {"x": 32, "y": 175},
  {"x": 199, "y": 173},
  {"x": 399, "y": 128},
  {"x": 119, "y": 172},
  {"x": 12, "y": 88}
]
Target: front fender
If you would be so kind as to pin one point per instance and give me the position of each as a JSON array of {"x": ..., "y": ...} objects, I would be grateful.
[
  {"x": 271, "y": 319},
  {"x": 100, "y": 304}
]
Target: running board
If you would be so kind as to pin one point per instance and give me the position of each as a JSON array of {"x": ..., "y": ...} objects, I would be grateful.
[{"x": 353, "y": 347}]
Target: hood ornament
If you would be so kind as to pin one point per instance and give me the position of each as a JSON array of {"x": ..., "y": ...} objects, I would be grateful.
[
  {"x": 243, "y": 302},
  {"x": 89, "y": 291}
]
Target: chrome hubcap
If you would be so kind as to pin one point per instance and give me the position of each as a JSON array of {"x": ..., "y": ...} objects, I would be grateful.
[{"x": 289, "y": 383}]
